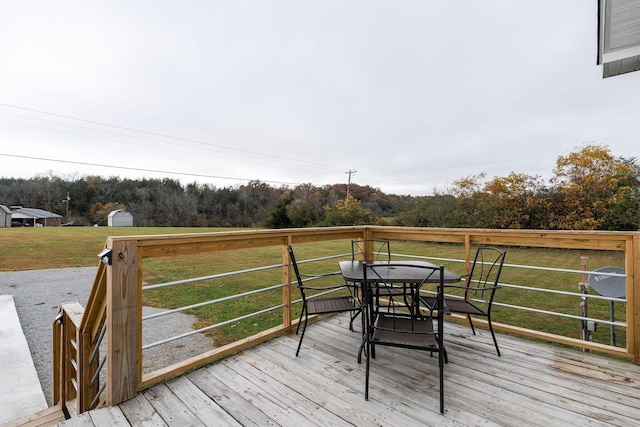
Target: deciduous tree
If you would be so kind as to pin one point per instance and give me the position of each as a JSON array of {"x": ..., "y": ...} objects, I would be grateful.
[{"x": 588, "y": 184}]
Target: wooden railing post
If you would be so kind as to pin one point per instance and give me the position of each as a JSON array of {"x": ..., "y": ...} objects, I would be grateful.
[
  {"x": 467, "y": 253},
  {"x": 632, "y": 270},
  {"x": 123, "y": 322},
  {"x": 286, "y": 290}
]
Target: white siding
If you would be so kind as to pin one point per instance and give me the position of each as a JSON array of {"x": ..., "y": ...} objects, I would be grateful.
[{"x": 619, "y": 36}]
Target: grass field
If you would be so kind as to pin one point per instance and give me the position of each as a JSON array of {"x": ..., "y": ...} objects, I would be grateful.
[
  {"x": 34, "y": 248},
  {"x": 58, "y": 247}
]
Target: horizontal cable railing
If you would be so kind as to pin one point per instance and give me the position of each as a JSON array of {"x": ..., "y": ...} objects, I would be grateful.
[
  {"x": 555, "y": 313},
  {"x": 210, "y": 302},
  {"x": 557, "y": 292},
  {"x": 208, "y": 328},
  {"x": 213, "y": 276},
  {"x": 223, "y": 299},
  {"x": 206, "y": 303}
]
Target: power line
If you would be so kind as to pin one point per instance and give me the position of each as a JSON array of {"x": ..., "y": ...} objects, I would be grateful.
[
  {"x": 176, "y": 138},
  {"x": 143, "y": 170},
  {"x": 172, "y": 147},
  {"x": 154, "y": 134}
]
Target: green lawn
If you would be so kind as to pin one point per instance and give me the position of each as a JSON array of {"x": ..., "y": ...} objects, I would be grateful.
[{"x": 34, "y": 248}]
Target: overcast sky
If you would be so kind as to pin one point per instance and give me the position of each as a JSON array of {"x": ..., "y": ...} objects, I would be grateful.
[{"x": 412, "y": 95}]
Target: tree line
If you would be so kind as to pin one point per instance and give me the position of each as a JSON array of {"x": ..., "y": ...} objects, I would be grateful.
[{"x": 590, "y": 189}]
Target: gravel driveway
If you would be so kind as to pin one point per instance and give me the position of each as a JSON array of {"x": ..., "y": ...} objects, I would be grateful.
[{"x": 38, "y": 295}]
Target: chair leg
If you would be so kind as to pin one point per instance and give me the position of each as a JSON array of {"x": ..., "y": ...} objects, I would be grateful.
[
  {"x": 366, "y": 376},
  {"x": 363, "y": 344},
  {"x": 304, "y": 328},
  {"x": 353, "y": 318},
  {"x": 302, "y": 313},
  {"x": 471, "y": 323},
  {"x": 495, "y": 342},
  {"x": 441, "y": 359}
]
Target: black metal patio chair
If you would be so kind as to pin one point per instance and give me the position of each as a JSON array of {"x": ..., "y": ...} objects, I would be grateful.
[
  {"x": 322, "y": 305},
  {"x": 406, "y": 327},
  {"x": 478, "y": 291}
]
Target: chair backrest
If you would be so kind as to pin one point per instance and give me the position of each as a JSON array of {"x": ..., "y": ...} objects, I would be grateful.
[
  {"x": 296, "y": 271},
  {"x": 379, "y": 250},
  {"x": 482, "y": 280}
]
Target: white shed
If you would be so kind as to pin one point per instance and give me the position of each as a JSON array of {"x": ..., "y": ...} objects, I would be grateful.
[{"x": 120, "y": 218}]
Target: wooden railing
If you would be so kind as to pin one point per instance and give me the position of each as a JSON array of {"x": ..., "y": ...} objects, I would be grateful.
[{"x": 83, "y": 360}]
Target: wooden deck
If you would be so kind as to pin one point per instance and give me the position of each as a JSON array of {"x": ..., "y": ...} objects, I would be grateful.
[{"x": 531, "y": 384}]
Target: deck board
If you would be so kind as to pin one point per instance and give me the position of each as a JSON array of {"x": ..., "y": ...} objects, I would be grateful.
[
  {"x": 140, "y": 410},
  {"x": 531, "y": 384}
]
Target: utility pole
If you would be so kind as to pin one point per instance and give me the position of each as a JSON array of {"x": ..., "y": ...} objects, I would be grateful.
[
  {"x": 350, "y": 172},
  {"x": 66, "y": 202}
]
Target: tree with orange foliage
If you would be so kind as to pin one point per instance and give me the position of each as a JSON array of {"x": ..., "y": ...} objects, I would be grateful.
[
  {"x": 516, "y": 201},
  {"x": 589, "y": 187}
]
